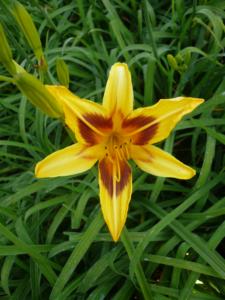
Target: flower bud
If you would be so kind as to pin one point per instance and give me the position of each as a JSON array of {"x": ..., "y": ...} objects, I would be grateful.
[
  {"x": 62, "y": 72},
  {"x": 172, "y": 61},
  {"x": 28, "y": 28},
  {"x": 37, "y": 93},
  {"x": 5, "y": 53}
]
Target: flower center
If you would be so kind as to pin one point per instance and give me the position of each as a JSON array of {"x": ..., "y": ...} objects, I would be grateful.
[{"x": 117, "y": 149}]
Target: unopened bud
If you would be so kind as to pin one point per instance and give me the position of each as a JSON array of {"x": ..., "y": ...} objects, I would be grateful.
[
  {"x": 172, "y": 61},
  {"x": 28, "y": 28},
  {"x": 37, "y": 93},
  {"x": 5, "y": 53},
  {"x": 62, "y": 72}
]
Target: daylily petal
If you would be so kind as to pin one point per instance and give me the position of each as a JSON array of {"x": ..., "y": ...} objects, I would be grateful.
[
  {"x": 115, "y": 194},
  {"x": 155, "y": 161},
  {"x": 88, "y": 120},
  {"x": 90, "y": 127},
  {"x": 61, "y": 92},
  {"x": 153, "y": 124},
  {"x": 118, "y": 96},
  {"x": 135, "y": 123},
  {"x": 71, "y": 160}
]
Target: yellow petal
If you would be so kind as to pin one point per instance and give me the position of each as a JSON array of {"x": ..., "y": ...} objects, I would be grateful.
[
  {"x": 68, "y": 161},
  {"x": 118, "y": 96},
  {"x": 88, "y": 120},
  {"x": 61, "y": 93},
  {"x": 153, "y": 124},
  {"x": 155, "y": 161},
  {"x": 82, "y": 105},
  {"x": 115, "y": 194}
]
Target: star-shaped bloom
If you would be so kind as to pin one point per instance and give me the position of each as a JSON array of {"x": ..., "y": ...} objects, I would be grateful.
[{"x": 112, "y": 134}]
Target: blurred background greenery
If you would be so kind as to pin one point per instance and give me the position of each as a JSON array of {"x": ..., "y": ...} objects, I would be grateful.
[{"x": 53, "y": 241}]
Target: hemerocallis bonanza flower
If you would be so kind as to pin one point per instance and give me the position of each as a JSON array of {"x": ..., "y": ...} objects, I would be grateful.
[{"x": 112, "y": 134}]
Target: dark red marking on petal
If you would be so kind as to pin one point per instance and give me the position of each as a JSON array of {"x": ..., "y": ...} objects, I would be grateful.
[
  {"x": 87, "y": 133},
  {"x": 125, "y": 173},
  {"x": 137, "y": 122},
  {"x": 106, "y": 173},
  {"x": 99, "y": 122},
  {"x": 144, "y": 136}
]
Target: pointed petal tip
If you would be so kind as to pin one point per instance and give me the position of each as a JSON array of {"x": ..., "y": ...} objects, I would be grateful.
[
  {"x": 120, "y": 68},
  {"x": 200, "y": 100},
  {"x": 114, "y": 229},
  {"x": 115, "y": 239},
  {"x": 119, "y": 65},
  {"x": 185, "y": 173},
  {"x": 36, "y": 171},
  {"x": 196, "y": 101},
  {"x": 189, "y": 173},
  {"x": 192, "y": 103},
  {"x": 115, "y": 234}
]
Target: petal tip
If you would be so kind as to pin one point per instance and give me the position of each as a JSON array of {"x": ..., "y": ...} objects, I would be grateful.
[
  {"x": 119, "y": 66},
  {"x": 37, "y": 171},
  {"x": 115, "y": 237},
  {"x": 115, "y": 233},
  {"x": 197, "y": 101},
  {"x": 188, "y": 174},
  {"x": 201, "y": 100},
  {"x": 192, "y": 103}
]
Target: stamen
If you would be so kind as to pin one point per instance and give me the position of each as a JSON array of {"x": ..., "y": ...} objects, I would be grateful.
[
  {"x": 119, "y": 153},
  {"x": 126, "y": 152},
  {"x": 109, "y": 157},
  {"x": 116, "y": 169}
]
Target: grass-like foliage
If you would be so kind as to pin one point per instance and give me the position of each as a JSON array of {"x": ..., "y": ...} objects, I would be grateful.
[{"x": 53, "y": 240}]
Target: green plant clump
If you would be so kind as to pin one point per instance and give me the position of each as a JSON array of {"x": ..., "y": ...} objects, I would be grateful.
[{"x": 53, "y": 240}]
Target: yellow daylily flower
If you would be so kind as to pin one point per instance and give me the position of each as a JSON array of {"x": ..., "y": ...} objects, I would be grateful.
[{"x": 113, "y": 133}]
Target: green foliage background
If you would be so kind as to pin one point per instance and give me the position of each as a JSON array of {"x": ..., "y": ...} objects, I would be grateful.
[{"x": 53, "y": 241}]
